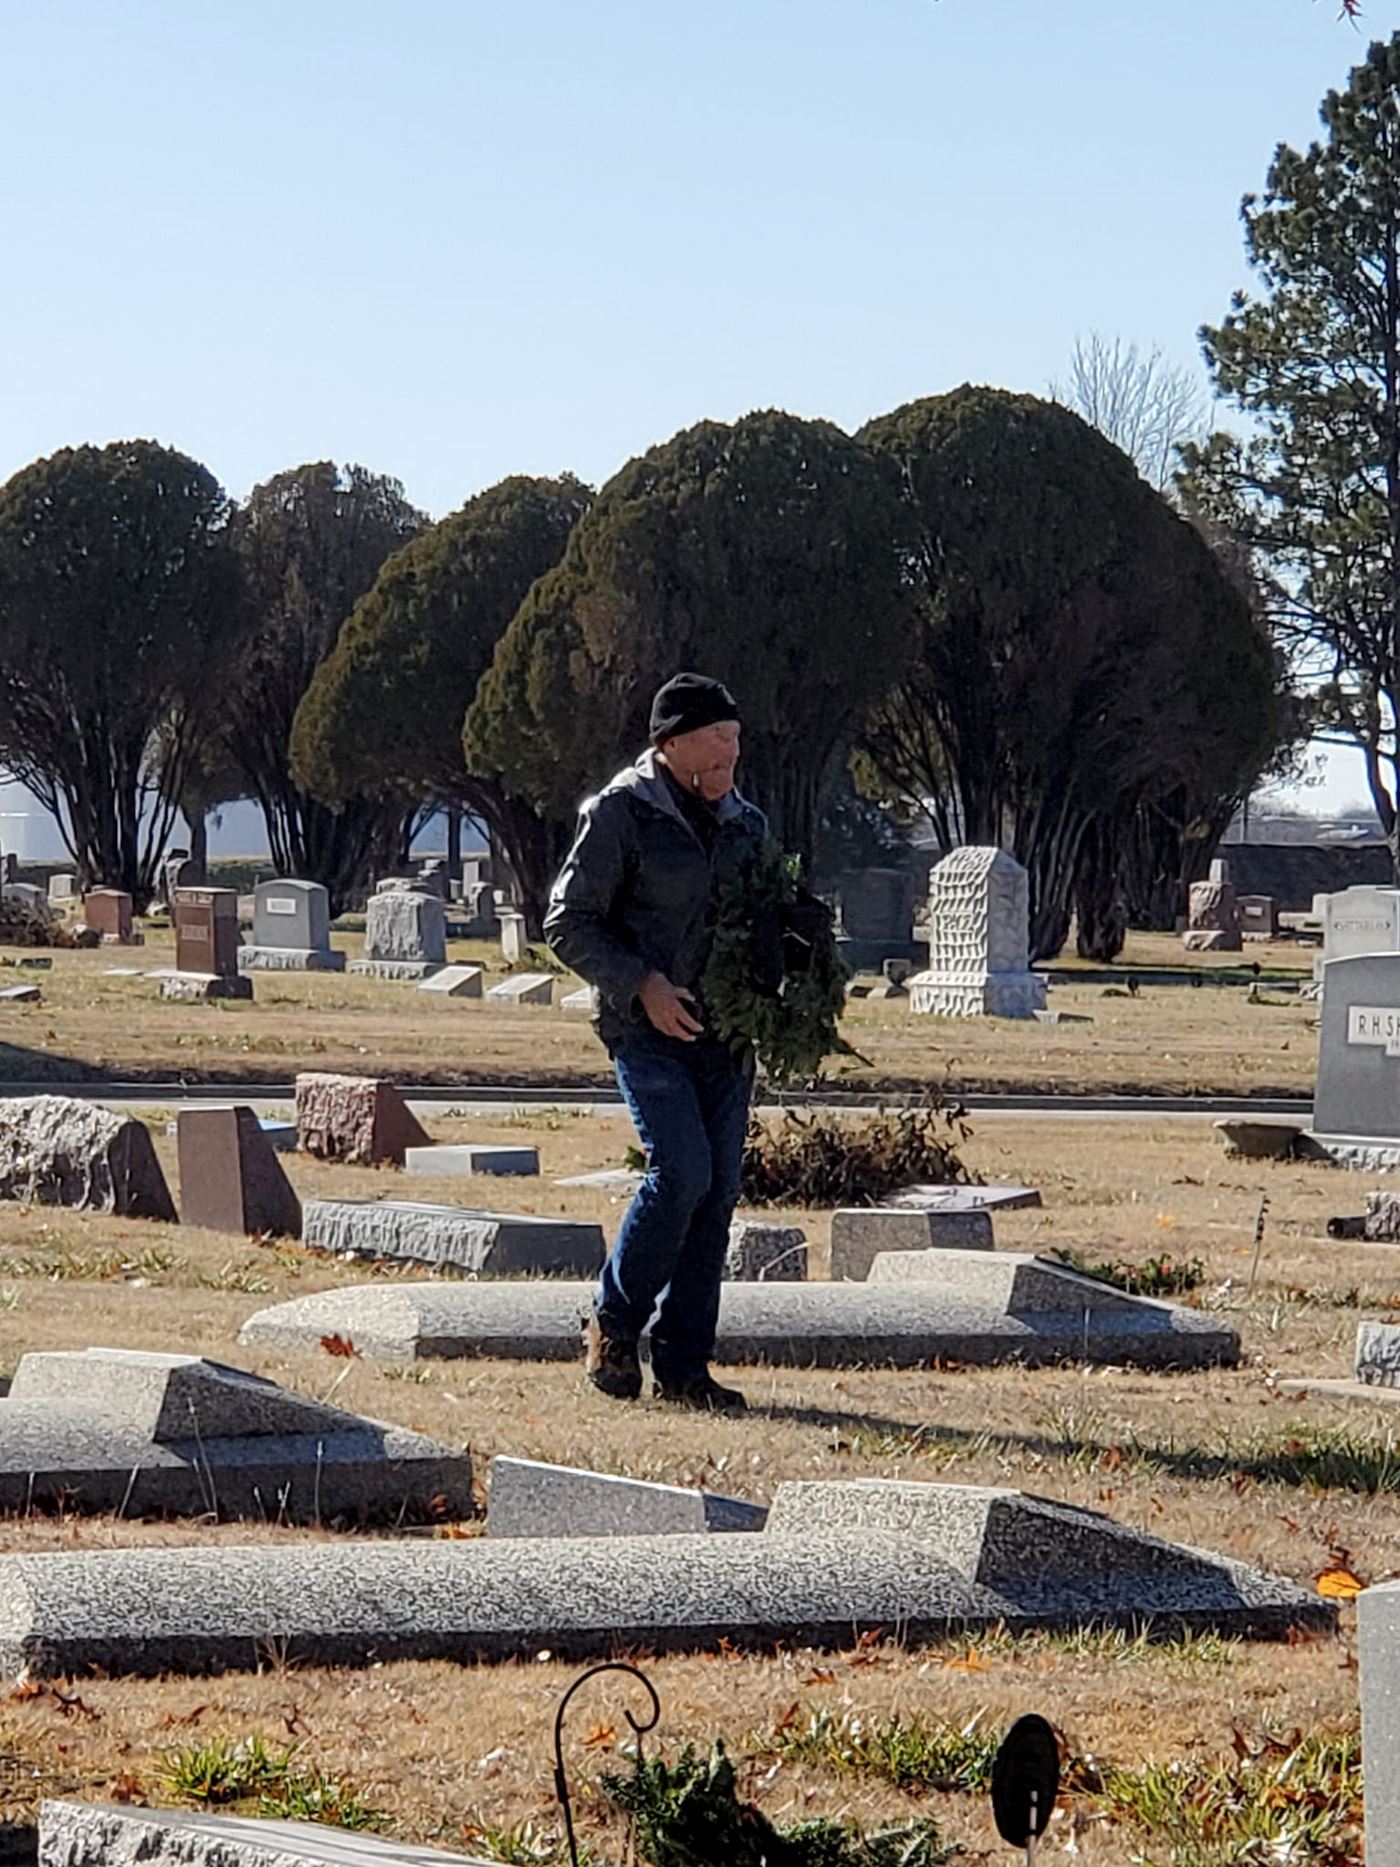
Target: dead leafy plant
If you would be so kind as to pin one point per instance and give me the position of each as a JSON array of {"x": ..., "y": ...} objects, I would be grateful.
[{"x": 817, "y": 1158}]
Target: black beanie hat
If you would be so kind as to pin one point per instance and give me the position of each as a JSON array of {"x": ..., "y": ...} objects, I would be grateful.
[{"x": 686, "y": 703}]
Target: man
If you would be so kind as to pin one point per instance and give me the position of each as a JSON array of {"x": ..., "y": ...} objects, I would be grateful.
[{"x": 632, "y": 912}]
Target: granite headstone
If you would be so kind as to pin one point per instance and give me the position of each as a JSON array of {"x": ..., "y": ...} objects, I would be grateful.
[{"x": 230, "y": 1177}]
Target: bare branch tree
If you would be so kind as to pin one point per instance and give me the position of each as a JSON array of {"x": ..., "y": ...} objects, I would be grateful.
[{"x": 1144, "y": 403}]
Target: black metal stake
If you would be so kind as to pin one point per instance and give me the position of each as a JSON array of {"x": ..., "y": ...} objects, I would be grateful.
[{"x": 639, "y": 1729}]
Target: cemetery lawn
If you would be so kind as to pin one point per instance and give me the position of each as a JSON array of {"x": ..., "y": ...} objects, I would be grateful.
[
  {"x": 460, "y": 1757},
  {"x": 1169, "y": 1039}
]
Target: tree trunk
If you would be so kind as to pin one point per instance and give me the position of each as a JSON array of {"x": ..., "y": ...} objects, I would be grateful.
[
  {"x": 454, "y": 841},
  {"x": 1100, "y": 912},
  {"x": 199, "y": 842}
]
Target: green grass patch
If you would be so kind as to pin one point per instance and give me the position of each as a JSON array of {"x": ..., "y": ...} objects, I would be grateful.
[
  {"x": 104, "y": 1267},
  {"x": 1297, "y": 1799},
  {"x": 909, "y": 1753},
  {"x": 271, "y": 1780}
]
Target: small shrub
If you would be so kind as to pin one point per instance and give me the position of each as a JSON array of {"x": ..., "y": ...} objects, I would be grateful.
[
  {"x": 1162, "y": 1276},
  {"x": 821, "y": 1159},
  {"x": 689, "y": 1813}
]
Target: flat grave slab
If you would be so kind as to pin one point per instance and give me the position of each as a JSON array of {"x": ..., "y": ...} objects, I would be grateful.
[
  {"x": 859, "y": 1234},
  {"x": 153, "y": 1433},
  {"x": 611, "y": 1179},
  {"x": 924, "y": 1566},
  {"x": 966, "y": 1198},
  {"x": 97, "y": 1834},
  {"x": 463, "y": 1238},
  {"x": 197, "y": 987},
  {"x": 525, "y": 988},
  {"x": 463, "y": 1162},
  {"x": 1056, "y": 1561},
  {"x": 454, "y": 982},
  {"x": 526, "y": 1498},
  {"x": 1016, "y": 1282},
  {"x": 828, "y": 1325}
]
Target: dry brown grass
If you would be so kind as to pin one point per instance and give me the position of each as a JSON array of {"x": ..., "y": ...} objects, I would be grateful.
[
  {"x": 1170, "y": 1039},
  {"x": 1202, "y": 1458}
]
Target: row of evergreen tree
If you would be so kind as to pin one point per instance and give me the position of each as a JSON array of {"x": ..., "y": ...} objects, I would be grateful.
[{"x": 975, "y": 609}]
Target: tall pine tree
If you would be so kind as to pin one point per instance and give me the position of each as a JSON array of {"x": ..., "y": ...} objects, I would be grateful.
[{"x": 1312, "y": 491}]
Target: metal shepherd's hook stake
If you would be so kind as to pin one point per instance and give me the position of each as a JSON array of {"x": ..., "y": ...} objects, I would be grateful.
[{"x": 639, "y": 1730}]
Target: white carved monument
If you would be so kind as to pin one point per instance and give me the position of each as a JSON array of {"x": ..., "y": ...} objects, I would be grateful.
[{"x": 979, "y": 940}]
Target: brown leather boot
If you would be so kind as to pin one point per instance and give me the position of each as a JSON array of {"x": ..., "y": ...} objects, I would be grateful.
[
  {"x": 610, "y": 1362},
  {"x": 703, "y": 1394}
]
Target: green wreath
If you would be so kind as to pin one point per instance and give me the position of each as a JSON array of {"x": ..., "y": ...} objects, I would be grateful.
[{"x": 793, "y": 1029}]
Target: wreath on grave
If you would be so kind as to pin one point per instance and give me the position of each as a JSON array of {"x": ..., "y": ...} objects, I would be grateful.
[{"x": 775, "y": 984}]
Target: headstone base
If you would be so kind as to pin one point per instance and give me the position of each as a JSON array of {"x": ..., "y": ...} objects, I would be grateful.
[
  {"x": 1211, "y": 940},
  {"x": 289, "y": 959},
  {"x": 198, "y": 986},
  {"x": 1361, "y": 1153},
  {"x": 395, "y": 968},
  {"x": 999, "y": 995}
]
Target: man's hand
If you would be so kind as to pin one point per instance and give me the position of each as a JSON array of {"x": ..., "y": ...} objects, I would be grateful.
[{"x": 670, "y": 1008}]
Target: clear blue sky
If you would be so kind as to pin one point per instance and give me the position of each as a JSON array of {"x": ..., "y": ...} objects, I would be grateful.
[{"x": 454, "y": 240}]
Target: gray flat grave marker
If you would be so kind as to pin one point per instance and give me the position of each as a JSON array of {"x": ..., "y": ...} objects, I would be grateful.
[
  {"x": 83, "y": 1834},
  {"x": 966, "y": 1198},
  {"x": 143, "y": 1432},
  {"x": 525, "y": 988},
  {"x": 529, "y": 1499},
  {"x": 490, "y": 1244},
  {"x": 610, "y": 1179},
  {"x": 454, "y": 982},
  {"x": 462, "y": 1162},
  {"x": 985, "y": 1307},
  {"x": 924, "y": 1566}
]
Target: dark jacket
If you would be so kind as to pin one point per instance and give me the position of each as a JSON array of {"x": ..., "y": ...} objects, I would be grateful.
[{"x": 636, "y": 892}]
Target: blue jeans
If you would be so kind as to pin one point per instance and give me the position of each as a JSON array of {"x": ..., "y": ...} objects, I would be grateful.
[{"x": 690, "y": 1104}]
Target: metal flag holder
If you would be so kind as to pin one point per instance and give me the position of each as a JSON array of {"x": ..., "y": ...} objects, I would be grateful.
[
  {"x": 640, "y": 1727},
  {"x": 1025, "y": 1783}
]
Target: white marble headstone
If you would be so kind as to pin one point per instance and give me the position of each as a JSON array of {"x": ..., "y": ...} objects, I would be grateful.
[{"x": 979, "y": 940}]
